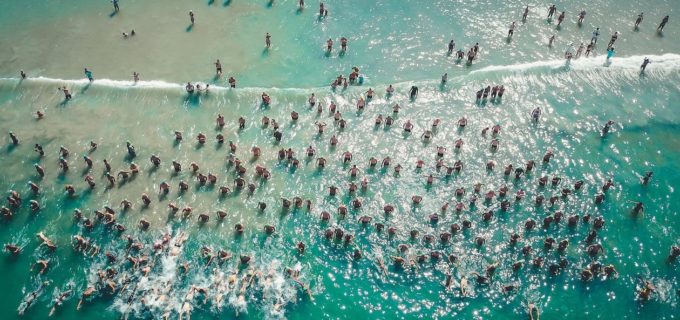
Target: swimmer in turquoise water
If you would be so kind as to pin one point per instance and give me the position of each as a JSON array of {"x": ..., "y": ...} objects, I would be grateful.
[
  {"x": 645, "y": 62},
  {"x": 551, "y": 11},
  {"x": 218, "y": 68},
  {"x": 88, "y": 74},
  {"x": 511, "y": 30},
  {"x": 615, "y": 36},
  {"x": 638, "y": 20},
  {"x": 560, "y": 19},
  {"x": 662, "y": 24},
  {"x": 610, "y": 52},
  {"x": 596, "y": 34}
]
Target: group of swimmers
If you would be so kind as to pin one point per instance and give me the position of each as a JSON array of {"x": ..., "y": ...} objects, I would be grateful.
[{"x": 140, "y": 255}]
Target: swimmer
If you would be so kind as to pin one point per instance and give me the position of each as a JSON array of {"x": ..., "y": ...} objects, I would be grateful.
[
  {"x": 610, "y": 52},
  {"x": 615, "y": 36},
  {"x": 638, "y": 20},
  {"x": 511, "y": 29},
  {"x": 662, "y": 24},
  {"x": 551, "y": 11},
  {"x": 531, "y": 309},
  {"x": 581, "y": 16},
  {"x": 580, "y": 50},
  {"x": 389, "y": 91},
  {"x": 408, "y": 126},
  {"x": 67, "y": 94},
  {"x": 560, "y": 19},
  {"x": 596, "y": 34},
  {"x": 414, "y": 92},
  {"x": 589, "y": 49},
  {"x": 39, "y": 150},
  {"x": 646, "y": 177},
  {"x": 645, "y": 62},
  {"x": 88, "y": 74},
  {"x": 218, "y": 68},
  {"x": 320, "y": 126},
  {"x": 607, "y": 127}
]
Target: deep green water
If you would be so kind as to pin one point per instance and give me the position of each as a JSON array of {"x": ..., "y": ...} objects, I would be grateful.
[{"x": 393, "y": 42}]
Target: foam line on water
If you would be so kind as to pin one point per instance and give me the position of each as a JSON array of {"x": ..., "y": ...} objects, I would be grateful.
[
  {"x": 669, "y": 61},
  {"x": 666, "y": 62}
]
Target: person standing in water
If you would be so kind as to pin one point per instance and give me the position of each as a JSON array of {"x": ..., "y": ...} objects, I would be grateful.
[
  {"x": 596, "y": 34},
  {"x": 451, "y": 46},
  {"x": 22, "y": 74},
  {"x": 511, "y": 31},
  {"x": 560, "y": 19},
  {"x": 191, "y": 16},
  {"x": 551, "y": 40},
  {"x": 610, "y": 52},
  {"x": 551, "y": 11},
  {"x": 218, "y": 68},
  {"x": 88, "y": 74},
  {"x": 525, "y": 14},
  {"x": 615, "y": 36},
  {"x": 663, "y": 24},
  {"x": 638, "y": 20},
  {"x": 115, "y": 5},
  {"x": 644, "y": 64},
  {"x": 268, "y": 40}
]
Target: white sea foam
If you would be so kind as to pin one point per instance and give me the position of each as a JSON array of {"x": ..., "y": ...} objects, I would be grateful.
[
  {"x": 664, "y": 62},
  {"x": 660, "y": 63}
]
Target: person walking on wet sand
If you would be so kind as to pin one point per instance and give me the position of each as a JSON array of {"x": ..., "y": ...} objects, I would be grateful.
[{"x": 191, "y": 16}]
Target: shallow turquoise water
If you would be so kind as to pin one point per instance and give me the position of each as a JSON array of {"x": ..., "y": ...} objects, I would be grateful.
[{"x": 392, "y": 42}]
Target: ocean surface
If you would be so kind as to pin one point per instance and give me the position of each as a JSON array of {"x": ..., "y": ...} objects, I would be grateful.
[{"x": 397, "y": 42}]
